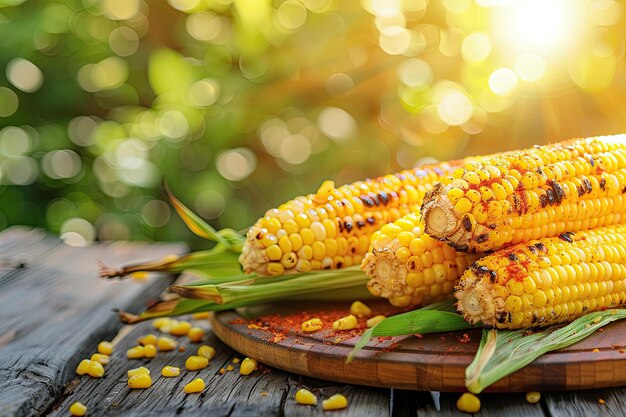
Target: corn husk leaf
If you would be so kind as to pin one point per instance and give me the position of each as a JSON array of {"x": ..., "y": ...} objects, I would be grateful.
[
  {"x": 502, "y": 352},
  {"x": 434, "y": 318}
]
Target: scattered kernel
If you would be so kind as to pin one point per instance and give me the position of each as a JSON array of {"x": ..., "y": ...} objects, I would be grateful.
[
  {"x": 596, "y": 350},
  {"x": 200, "y": 316},
  {"x": 99, "y": 357},
  {"x": 180, "y": 328},
  {"x": 140, "y": 381},
  {"x": 312, "y": 325},
  {"x": 161, "y": 322},
  {"x": 533, "y": 397},
  {"x": 336, "y": 402},
  {"x": 360, "y": 310},
  {"x": 306, "y": 397},
  {"x": 106, "y": 348},
  {"x": 236, "y": 360},
  {"x": 229, "y": 368},
  {"x": 206, "y": 351},
  {"x": 197, "y": 385},
  {"x": 78, "y": 409},
  {"x": 83, "y": 367},
  {"x": 137, "y": 371},
  {"x": 222, "y": 371},
  {"x": 148, "y": 339},
  {"x": 468, "y": 403},
  {"x": 375, "y": 320},
  {"x": 247, "y": 366},
  {"x": 345, "y": 323},
  {"x": 166, "y": 343},
  {"x": 170, "y": 371},
  {"x": 139, "y": 275},
  {"x": 264, "y": 393},
  {"x": 135, "y": 352},
  {"x": 601, "y": 401},
  {"x": 195, "y": 334},
  {"x": 195, "y": 363},
  {"x": 96, "y": 369},
  {"x": 149, "y": 351}
]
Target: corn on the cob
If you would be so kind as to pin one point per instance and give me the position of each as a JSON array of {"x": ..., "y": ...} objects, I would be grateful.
[
  {"x": 546, "y": 281},
  {"x": 574, "y": 185},
  {"x": 409, "y": 267},
  {"x": 331, "y": 228}
]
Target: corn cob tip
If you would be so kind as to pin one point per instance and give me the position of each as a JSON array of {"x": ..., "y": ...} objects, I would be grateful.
[
  {"x": 380, "y": 265},
  {"x": 475, "y": 299}
]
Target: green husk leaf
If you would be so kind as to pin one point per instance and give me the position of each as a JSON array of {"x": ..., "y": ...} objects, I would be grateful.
[
  {"x": 434, "y": 318},
  {"x": 502, "y": 352}
]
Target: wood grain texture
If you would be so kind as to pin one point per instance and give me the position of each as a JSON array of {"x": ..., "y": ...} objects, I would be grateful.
[
  {"x": 55, "y": 308},
  {"x": 435, "y": 362},
  {"x": 586, "y": 403}
]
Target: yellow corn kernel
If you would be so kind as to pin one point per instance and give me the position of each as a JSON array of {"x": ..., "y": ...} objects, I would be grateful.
[
  {"x": 83, "y": 367},
  {"x": 533, "y": 397},
  {"x": 454, "y": 194},
  {"x": 148, "y": 339},
  {"x": 468, "y": 403},
  {"x": 78, "y": 409},
  {"x": 137, "y": 371},
  {"x": 136, "y": 352},
  {"x": 166, "y": 343},
  {"x": 170, "y": 371},
  {"x": 360, "y": 310},
  {"x": 345, "y": 323},
  {"x": 247, "y": 366},
  {"x": 195, "y": 363},
  {"x": 195, "y": 334},
  {"x": 140, "y": 381},
  {"x": 312, "y": 325},
  {"x": 275, "y": 269},
  {"x": 463, "y": 206},
  {"x": 180, "y": 329},
  {"x": 230, "y": 368},
  {"x": 139, "y": 275},
  {"x": 336, "y": 402},
  {"x": 106, "y": 348},
  {"x": 149, "y": 351},
  {"x": 206, "y": 351},
  {"x": 306, "y": 397},
  {"x": 375, "y": 320},
  {"x": 95, "y": 369},
  {"x": 99, "y": 357},
  {"x": 197, "y": 385},
  {"x": 274, "y": 253},
  {"x": 161, "y": 322},
  {"x": 200, "y": 316},
  {"x": 236, "y": 360}
]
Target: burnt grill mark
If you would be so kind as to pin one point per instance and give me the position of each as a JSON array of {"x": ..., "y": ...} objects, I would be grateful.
[
  {"x": 383, "y": 197},
  {"x": 540, "y": 246},
  {"x": 492, "y": 226},
  {"x": 501, "y": 317},
  {"x": 533, "y": 249},
  {"x": 360, "y": 224},
  {"x": 543, "y": 200},
  {"x": 591, "y": 161},
  {"x": 550, "y": 196},
  {"x": 513, "y": 257},
  {"x": 458, "y": 248},
  {"x": 259, "y": 235},
  {"x": 401, "y": 177},
  {"x": 541, "y": 319},
  {"x": 466, "y": 223},
  {"x": 340, "y": 224},
  {"x": 602, "y": 184},
  {"x": 348, "y": 226},
  {"x": 517, "y": 204},
  {"x": 482, "y": 238},
  {"x": 339, "y": 265},
  {"x": 559, "y": 194},
  {"x": 581, "y": 190},
  {"x": 374, "y": 198},
  {"x": 509, "y": 317},
  {"x": 367, "y": 200},
  {"x": 567, "y": 236},
  {"x": 535, "y": 318},
  {"x": 623, "y": 190},
  {"x": 371, "y": 220},
  {"x": 587, "y": 185}
]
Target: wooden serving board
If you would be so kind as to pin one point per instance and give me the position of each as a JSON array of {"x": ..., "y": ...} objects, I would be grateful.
[{"x": 434, "y": 362}]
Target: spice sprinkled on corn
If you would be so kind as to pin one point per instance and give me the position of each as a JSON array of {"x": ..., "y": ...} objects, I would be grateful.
[{"x": 312, "y": 325}]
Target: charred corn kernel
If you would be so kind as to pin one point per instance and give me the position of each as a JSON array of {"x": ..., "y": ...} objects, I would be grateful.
[
  {"x": 99, "y": 357},
  {"x": 562, "y": 187},
  {"x": 533, "y": 397},
  {"x": 468, "y": 403},
  {"x": 140, "y": 381},
  {"x": 78, "y": 409},
  {"x": 336, "y": 402},
  {"x": 95, "y": 369},
  {"x": 105, "y": 348},
  {"x": 83, "y": 367},
  {"x": 360, "y": 310},
  {"x": 148, "y": 339},
  {"x": 195, "y": 363},
  {"x": 136, "y": 352},
  {"x": 306, "y": 397},
  {"x": 161, "y": 322},
  {"x": 206, "y": 351},
  {"x": 170, "y": 371},
  {"x": 197, "y": 385},
  {"x": 248, "y": 365},
  {"x": 545, "y": 281},
  {"x": 165, "y": 343},
  {"x": 312, "y": 325},
  {"x": 195, "y": 334},
  {"x": 137, "y": 371},
  {"x": 149, "y": 351},
  {"x": 200, "y": 316},
  {"x": 181, "y": 328},
  {"x": 345, "y": 323},
  {"x": 375, "y": 320}
]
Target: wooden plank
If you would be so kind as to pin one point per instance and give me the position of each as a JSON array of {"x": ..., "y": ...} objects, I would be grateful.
[
  {"x": 586, "y": 403},
  {"x": 56, "y": 308}
]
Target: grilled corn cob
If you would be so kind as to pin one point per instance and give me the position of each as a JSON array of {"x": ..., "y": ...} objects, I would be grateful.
[
  {"x": 331, "y": 228},
  {"x": 409, "y": 267},
  {"x": 546, "y": 281},
  {"x": 574, "y": 185}
]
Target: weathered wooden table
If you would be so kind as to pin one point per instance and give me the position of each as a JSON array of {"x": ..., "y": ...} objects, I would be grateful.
[{"x": 54, "y": 310}]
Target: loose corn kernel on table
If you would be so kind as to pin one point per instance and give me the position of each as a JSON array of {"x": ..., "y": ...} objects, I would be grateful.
[{"x": 55, "y": 311}]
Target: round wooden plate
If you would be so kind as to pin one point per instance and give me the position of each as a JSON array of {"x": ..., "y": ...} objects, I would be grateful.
[{"x": 434, "y": 362}]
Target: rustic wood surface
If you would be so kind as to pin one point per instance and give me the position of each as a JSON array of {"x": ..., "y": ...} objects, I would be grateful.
[{"x": 49, "y": 323}]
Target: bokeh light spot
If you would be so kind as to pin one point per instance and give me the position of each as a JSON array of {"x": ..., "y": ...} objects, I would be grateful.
[
  {"x": 605, "y": 12},
  {"x": 291, "y": 14},
  {"x": 339, "y": 83},
  {"x": 415, "y": 73},
  {"x": 81, "y": 130},
  {"x": 124, "y": 41},
  {"x": 203, "y": 93},
  {"x": 120, "y": 9},
  {"x": 236, "y": 164},
  {"x": 389, "y": 18},
  {"x": 184, "y": 5},
  {"x": 476, "y": 46},
  {"x": 210, "y": 204},
  {"x": 8, "y": 102},
  {"x": 19, "y": 170},
  {"x": 530, "y": 67},
  {"x": 503, "y": 82},
  {"x": 156, "y": 213},
  {"x": 14, "y": 141},
  {"x": 295, "y": 149},
  {"x": 336, "y": 123},
  {"x": 61, "y": 164},
  {"x": 77, "y": 232},
  {"x": 593, "y": 73},
  {"x": 455, "y": 108},
  {"x": 24, "y": 75},
  {"x": 394, "y": 40},
  {"x": 173, "y": 124}
]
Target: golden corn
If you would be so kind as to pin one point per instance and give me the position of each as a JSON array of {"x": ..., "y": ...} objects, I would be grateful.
[
  {"x": 148, "y": 339},
  {"x": 99, "y": 357},
  {"x": 180, "y": 328},
  {"x": 312, "y": 325},
  {"x": 345, "y": 323},
  {"x": 200, "y": 316},
  {"x": 360, "y": 310},
  {"x": 170, "y": 371},
  {"x": 105, "y": 348},
  {"x": 95, "y": 370},
  {"x": 336, "y": 402},
  {"x": 534, "y": 193},
  {"x": 161, "y": 322},
  {"x": 236, "y": 360},
  {"x": 195, "y": 363},
  {"x": 83, "y": 367},
  {"x": 375, "y": 320},
  {"x": 331, "y": 228},
  {"x": 140, "y": 381},
  {"x": 230, "y": 368},
  {"x": 136, "y": 352},
  {"x": 533, "y": 397},
  {"x": 206, "y": 351},
  {"x": 468, "y": 403},
  {"x": 247, "y": 366},
  {"x": 149, "y": 351},
  {"x": 306, "y": 397},
  {"x": 78, "y": 409},
  {"x": 409, "y": 267},
  {"x": 547, "y": 281},
  {"x": 195, "y": 334},
  {"x": 137, "y": 371},
  {"x": 197, "y": 385},
  {"x": 165, "y": 343}
]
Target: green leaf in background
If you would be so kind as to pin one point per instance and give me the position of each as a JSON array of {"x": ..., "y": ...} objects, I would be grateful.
[{"x": 502, "y": 352}]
